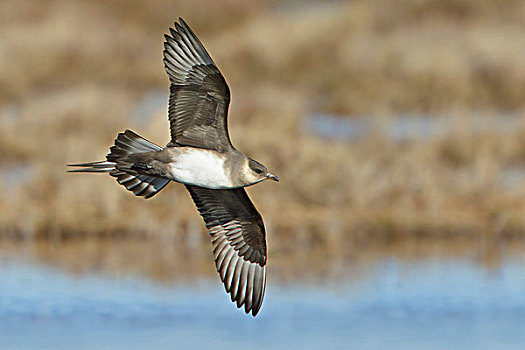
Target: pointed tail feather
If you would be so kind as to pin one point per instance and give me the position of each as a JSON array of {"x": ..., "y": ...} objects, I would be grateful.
[
  {"x": 119, "y": 166},
  {"x": 94, "y": 167}
]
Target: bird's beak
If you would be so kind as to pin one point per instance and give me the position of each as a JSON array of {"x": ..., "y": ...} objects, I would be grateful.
[{"x": 272, "y": 176}]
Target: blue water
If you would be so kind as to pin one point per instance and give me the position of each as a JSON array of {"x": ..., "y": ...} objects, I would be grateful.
[
  {"x": 404, "y": 127},
  {"x": 426, "y": 305}
]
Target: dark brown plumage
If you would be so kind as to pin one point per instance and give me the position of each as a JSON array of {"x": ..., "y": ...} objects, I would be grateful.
[
  {"x": 201, "y": 156},
  {"x": 199, "y": 95},
  {"x": 239, "y": 243},
  {"x": 198, "y": 108}
]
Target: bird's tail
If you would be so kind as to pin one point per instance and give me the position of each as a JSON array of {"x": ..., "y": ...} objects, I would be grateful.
[{"x": 119, "y": 165}]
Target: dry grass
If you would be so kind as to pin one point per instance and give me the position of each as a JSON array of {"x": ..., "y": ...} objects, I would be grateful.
[
  {"x": 72, "y": 73},
  {"x": 162, "y": 260}
]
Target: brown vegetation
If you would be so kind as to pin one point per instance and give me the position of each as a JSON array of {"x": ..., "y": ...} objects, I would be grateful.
[{"x": 73, "y": 73}]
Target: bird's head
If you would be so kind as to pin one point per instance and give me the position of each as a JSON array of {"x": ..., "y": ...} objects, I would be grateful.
[{"x": 255, "y": 172}]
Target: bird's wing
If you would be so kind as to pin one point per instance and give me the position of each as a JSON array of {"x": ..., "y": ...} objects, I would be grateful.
[
  {"x": 239, "y": 243},
  {"x": 199, "y": 95}
]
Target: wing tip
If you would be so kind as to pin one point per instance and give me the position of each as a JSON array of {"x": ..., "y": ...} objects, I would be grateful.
[
  {"x": 251, "y": 304},
  {"x": 253, "y": 311},
  {"x": 227, "y": 223}
]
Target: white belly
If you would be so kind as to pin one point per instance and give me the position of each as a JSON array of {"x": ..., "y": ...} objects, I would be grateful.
[{"x": 201, "y": 168}]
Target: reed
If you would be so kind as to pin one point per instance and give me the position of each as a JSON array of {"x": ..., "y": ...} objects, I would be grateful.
[{"x": 74, "y": 72}]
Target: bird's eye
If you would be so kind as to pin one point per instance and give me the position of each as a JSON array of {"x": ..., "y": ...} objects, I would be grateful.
[{"x": 258, "y": 171}]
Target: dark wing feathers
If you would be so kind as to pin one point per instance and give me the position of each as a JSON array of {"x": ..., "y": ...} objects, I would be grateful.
[
  {"x": 239, "y": 243},
  {"x": 199, "y": 95},
  {"x": 198, "y": 108}
]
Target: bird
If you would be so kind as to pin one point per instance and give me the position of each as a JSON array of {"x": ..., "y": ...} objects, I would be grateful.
[{"x": 200, "y": 156}]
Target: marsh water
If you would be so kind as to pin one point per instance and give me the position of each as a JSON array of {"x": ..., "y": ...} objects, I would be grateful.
[{"x": 427, "y": 303}]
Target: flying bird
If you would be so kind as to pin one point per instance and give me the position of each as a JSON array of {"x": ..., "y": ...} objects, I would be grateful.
[{"x": 201, "y": 156}]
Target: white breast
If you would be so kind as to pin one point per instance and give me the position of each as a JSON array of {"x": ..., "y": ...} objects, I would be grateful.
[{"x": 200, "y": 167}]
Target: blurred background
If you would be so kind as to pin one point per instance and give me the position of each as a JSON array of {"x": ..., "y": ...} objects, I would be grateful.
[{"x": 397, "y": 130}]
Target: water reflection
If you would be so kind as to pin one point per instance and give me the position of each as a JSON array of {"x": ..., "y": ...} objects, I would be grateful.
[{"x": 431, "y": 303}]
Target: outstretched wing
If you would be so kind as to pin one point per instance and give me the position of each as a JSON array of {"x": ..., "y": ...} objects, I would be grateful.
[
  {"x": 199, "y": 95},
  {"x": 239, "y": 243}
]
